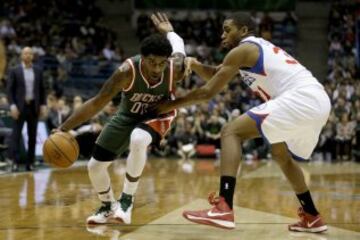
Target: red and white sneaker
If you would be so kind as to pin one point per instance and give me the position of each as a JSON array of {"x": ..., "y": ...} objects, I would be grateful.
[
  {"x": 308, "y": 223},
  {"x": 220, "y": 215}
]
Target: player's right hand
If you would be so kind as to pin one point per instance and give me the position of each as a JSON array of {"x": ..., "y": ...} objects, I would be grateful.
[{"x": 189, "y": 62}]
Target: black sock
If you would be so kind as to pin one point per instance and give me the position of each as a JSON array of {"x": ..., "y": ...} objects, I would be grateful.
[
  {"x": 307, "y": 203},
  {"x": 227, "y": 187}
]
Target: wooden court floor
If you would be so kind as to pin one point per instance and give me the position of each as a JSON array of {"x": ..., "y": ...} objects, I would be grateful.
[{"x": 53, "y": 204}]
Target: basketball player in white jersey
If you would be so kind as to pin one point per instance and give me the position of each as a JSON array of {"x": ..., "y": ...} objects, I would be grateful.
[{"x": 296, "y": 108}]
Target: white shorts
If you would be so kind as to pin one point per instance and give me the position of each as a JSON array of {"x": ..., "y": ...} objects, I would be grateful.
[{"x": 295, "y": 117}]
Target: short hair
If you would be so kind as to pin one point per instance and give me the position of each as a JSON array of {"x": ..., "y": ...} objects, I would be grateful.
[
  {"x": 156, "y": 44},
  {"x": 242, "y": 19}
]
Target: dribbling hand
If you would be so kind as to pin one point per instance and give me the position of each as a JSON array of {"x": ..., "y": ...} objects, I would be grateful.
[{"x": 55, "y": 130}]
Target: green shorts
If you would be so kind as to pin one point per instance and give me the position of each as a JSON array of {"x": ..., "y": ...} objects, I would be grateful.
[{"x": 114, "y": 139}]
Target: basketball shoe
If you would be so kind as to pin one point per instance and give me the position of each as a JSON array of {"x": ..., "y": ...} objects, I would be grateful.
[
  {"x": 104, "y": 214},
  {"x": 308, "y": 223},
  {"x": 220, "y": 215},
  {"x": 123, "y": 212}
]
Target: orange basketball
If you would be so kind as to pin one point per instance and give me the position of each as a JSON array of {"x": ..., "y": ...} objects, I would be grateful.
[{"x": 60, "y": 150}]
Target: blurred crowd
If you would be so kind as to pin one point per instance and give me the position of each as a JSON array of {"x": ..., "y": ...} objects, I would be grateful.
[
  {"x": 341, "y": 137},
  {"x": 63, "y": 34}
]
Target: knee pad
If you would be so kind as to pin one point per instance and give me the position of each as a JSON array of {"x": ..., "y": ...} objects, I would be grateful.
[{"x": 139, "y": 138}]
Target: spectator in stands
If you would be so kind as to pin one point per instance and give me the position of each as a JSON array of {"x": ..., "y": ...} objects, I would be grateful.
[
  {"x": 108, "y": 52},
  {"x": 340, "y": 108},
  {"x": 344, "y": 136},
  {"x": 186, "y": 142},
  {"x": 213, "y": 131},
  {"x": 327, "y": 145},
  {"x": 56, "y": 114},
  {"x": 199, "y": 124},
  {"x": 6, "y": 30},
  {"x": 26, "y": 95},
  {"x": 77, "y": 102}
]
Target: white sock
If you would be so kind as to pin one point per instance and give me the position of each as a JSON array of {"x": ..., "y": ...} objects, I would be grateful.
[
  {"x": 130, "y": 187},
  {"x": 139, "y": 141},
  {"x": 100, "y": 179}
]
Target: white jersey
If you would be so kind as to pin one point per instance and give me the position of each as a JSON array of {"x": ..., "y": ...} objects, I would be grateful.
[{"x": 275, "y": 71}]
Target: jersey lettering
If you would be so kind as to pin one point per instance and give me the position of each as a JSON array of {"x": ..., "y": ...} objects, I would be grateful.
[{"x": 289, "y": 59}]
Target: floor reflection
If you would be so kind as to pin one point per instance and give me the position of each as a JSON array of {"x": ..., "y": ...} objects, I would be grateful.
[{"x": 53, "y": 204}]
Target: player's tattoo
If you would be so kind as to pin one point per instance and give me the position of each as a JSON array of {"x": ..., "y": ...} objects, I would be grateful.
[{"x": 117, "y": 81}]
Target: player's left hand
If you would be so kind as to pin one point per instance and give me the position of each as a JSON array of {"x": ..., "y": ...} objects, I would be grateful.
[{"x": 162, "y": 22}]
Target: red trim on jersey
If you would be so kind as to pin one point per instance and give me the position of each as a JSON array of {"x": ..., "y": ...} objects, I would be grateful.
[{"x": 162, "y": 125}]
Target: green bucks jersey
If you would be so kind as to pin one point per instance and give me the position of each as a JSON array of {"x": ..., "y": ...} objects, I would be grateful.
[
  {"x": 140, "y": 94},
  {"x": 135, "y": 101}
]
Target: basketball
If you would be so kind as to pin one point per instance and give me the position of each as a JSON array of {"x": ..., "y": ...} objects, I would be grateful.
[{"x": 60, "y": 150}]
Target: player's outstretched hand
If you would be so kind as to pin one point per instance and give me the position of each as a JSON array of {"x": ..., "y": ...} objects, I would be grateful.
[
  {"x": 162, "y": 22},
  {"x": 189, "y": 62}
]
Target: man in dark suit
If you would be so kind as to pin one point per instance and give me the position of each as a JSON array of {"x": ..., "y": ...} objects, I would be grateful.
[{"x": 26, "y": 95}]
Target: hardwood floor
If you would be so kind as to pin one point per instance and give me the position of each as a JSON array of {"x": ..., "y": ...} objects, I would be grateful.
[{"x": 53, "y": 204}]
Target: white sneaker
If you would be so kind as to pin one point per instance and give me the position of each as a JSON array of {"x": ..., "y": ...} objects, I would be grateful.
[
  {"x": 104, "y": 214},
  {"x": 123, "y": 212}
]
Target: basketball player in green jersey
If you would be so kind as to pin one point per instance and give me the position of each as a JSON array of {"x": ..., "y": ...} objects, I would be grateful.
[{"x": 144, "y": 80}]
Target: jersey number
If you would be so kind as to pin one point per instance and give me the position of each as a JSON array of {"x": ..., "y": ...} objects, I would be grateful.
[
  {"x": 139, "y": 108},
  {"x": 289, "y": 59}
]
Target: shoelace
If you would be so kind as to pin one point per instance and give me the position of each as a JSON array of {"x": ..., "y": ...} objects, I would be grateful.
[
  {"x": 125, "y": 201},
  {"x": 213, "y": 199},
  {"x": 104, "y": 208}
]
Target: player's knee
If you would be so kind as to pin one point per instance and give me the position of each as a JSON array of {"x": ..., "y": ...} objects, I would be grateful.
[
  {"x": 96, "y": 166},
  {"x": 280, "y": 155},
  {"x": 226, "y": 130},
  {"x": 229, "y": 130},
  {"x": 139, "y": 139}
]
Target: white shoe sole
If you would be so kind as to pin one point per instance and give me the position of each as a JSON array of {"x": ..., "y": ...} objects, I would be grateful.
[
  {"x": 311, "y": 230},
  {"x": 222, "y": 223}
]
